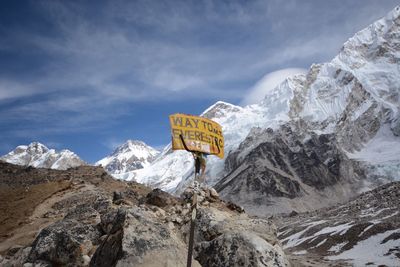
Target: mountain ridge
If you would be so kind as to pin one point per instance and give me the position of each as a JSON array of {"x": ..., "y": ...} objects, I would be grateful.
[
  {"x": 131, "y": 155},
  {"x": 39, "y": 156}
]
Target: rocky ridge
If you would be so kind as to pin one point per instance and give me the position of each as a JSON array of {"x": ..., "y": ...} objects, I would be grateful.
[{"x": 84, "y": 217}]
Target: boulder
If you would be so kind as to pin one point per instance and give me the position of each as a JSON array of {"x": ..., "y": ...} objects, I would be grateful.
[
  {"x": 64, "y": 243},
  {"x": 159, "y": 198},
  {"x": 240, "y": 249},
  {"x": 139, "y": 239}
]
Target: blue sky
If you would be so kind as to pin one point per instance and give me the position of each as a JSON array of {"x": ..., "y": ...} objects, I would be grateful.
[{"x": 88, "y": 75}]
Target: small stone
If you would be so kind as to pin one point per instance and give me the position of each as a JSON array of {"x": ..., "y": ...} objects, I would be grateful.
[
  {"x": 200, "y": 199},
  {"x": 86, "y": 246},
  {"x": 86, "y": 260},
  {"x": 160, "y": 213},
  {"x": 171, "y": 225},
  {"x": 213, "y": 193},
  {"x": 177, "y": 219}
]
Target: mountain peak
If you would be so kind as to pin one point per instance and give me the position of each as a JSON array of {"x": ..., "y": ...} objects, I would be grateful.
[
  {"x": 219, "y": 109},
  {"x": 38, "y": 155},
  {"x": 131, "y": 155},
  {"x": 36, "y": 147}
]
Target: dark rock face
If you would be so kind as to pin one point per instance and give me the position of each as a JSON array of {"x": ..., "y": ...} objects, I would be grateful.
[
  {"x": 283, "y": 163},
  {"x": 62, "y": 243},
  {"x": 110, "y": 250}
]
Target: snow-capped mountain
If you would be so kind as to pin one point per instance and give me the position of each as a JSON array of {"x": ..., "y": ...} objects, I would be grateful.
[
  {"x": 341, "y": 139},
  {"x": 131, "y": 155},
  {"x": 314, "y": 140},
  {"x": 39, "y": 156}
]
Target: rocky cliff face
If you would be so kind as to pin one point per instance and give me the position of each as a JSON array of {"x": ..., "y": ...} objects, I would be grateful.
[
  {"x": 84, "y": 217},
  {"x": 39, "y": 156},
  {"x": 281, "y": 170}
]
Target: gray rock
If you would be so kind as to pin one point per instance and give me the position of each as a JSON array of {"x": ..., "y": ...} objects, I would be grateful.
[
  {"x": 138, "y": 239},
  {"x": 160, "y": 198},
  {"x": 240, "y": 249},
  {"x": 62, "y": 243}
]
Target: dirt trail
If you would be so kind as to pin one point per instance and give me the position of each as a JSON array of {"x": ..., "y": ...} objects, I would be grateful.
[{"x": 25, "y": 234}]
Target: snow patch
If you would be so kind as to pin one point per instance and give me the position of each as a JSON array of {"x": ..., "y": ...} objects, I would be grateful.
[{"x": 371, "y": 250}]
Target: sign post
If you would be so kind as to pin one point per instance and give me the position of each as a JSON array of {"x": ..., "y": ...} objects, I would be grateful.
[{"x": 201, "y": 135}]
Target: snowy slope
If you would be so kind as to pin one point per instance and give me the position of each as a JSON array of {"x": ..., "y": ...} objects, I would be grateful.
[
  {"x": 362, "y": 232},
  {"x": 131, "y": 155},
  {"x": 170, "y": 169},
  {"x": 39, "y": 156},
  {"x": 369, "y": 58}
]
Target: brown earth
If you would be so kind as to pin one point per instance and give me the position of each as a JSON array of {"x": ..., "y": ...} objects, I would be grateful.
[{"x": 28, "y": 196}]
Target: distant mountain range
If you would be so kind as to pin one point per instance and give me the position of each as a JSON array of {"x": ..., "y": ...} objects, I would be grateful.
[{"x": 39, "y": 156}]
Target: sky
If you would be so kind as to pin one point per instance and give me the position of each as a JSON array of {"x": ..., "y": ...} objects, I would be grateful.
[{"x": 89, "y": 75}]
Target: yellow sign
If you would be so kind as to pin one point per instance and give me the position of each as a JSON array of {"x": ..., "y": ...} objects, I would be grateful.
[{"x": 200, "y": 134}]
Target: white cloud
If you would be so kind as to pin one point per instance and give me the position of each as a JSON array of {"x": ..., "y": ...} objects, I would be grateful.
[
  {"x": 269, "y": 82},
  {"x": 12, "y": 89},
  {"x": 113, "y": 143}
]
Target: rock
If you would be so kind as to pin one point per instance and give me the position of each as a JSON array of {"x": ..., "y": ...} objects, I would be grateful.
[
  {"x": 177, "y": 219},
  {"x": 200, "y": 198},
  {"x": 227, "y": 238},
  {"x": 110, "y": 249},
  {"x": 293, "y": 213},
  {"x": 107, "y": 221},
  {"x": 233, "y": 206},
  {"x": 18, "y": 258},
  {"x": 14, "y": 249},
  {"x": 213, "y": 192},
  {"x": 171, "y": 225},
  {"x": 159, "y": 198},
  {"x": 213, "y": 223},
  {"x": 138, "y": 239},
  {"x": 84, "y": 213},
  {"x": 86, "y": 260},
  {"x": 117, "y": 196},
  {"x": 61, "y": 243},
  {"x": 240, "y": 249}
]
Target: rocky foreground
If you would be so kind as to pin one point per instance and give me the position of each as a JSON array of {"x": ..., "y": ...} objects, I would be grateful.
[{"x": 84, "y": 217}]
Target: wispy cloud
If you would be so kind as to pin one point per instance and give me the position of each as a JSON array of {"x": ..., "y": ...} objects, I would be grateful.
[{"x": 267, "y": 83}]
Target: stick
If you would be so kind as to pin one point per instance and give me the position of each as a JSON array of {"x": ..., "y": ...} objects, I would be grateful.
[{"x": 192, "y": 226}]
